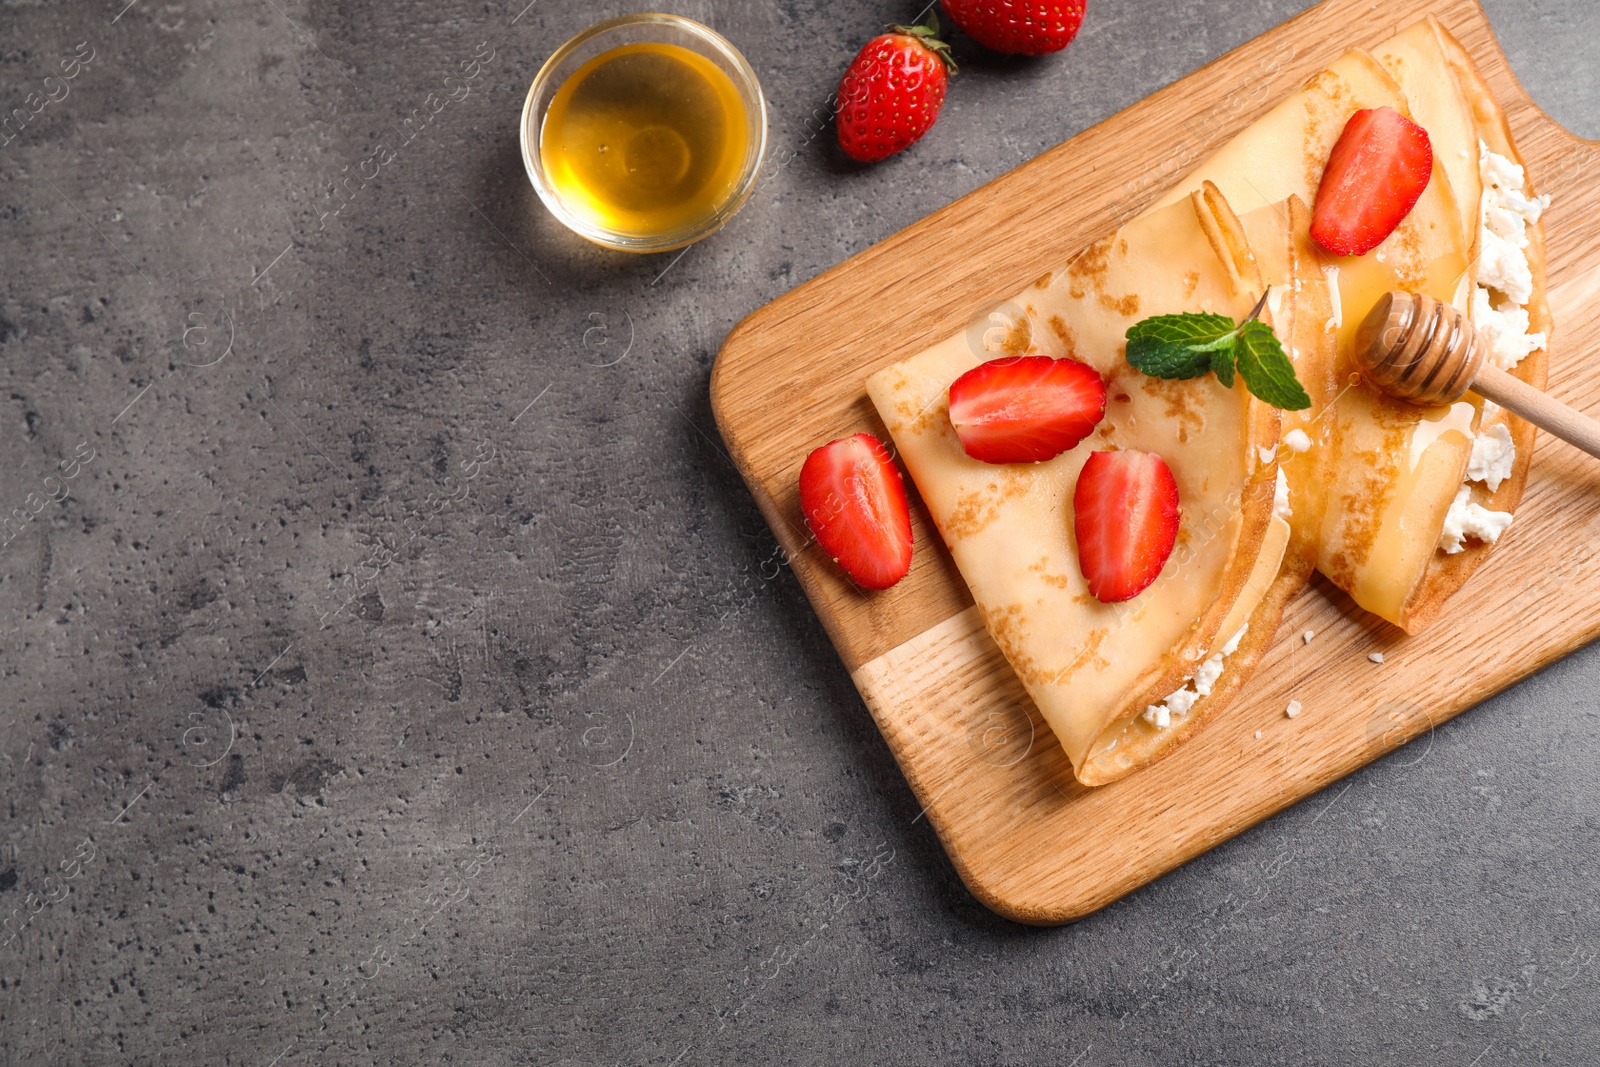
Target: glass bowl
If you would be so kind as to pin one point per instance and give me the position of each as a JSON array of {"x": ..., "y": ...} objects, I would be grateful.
[{"x": 637, "y": 29}]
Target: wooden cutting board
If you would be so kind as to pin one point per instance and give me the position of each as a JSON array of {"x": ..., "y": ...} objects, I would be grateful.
[{"x": 1027, "y": 839}]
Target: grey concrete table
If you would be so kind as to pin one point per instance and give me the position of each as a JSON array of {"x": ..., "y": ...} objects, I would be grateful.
[{"x": 405, "y": 675}]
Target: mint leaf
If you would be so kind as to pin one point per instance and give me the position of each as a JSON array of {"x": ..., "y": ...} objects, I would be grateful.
[
  {"x": 1222, "y": 360},
  {"x": 1177, "y": 346},
  {"x": 1191, "y": 344},
  {"x": 1266, "y": 370},
  {"x": 1166, "y": 360},
  {"x": 1221, "y": 344},
  {"x": 1191, "y": 327}
]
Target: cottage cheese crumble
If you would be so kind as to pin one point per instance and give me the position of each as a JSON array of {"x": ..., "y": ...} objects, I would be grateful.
[
  {"x": 1466, "y": 519},
  {"x": 1499, "y": 313},
  {"x": 1492, "y": 456},
  {"x": 1336, "y": 321},
  {"x": 1503, "y": 330},
  {"x": 1179, "y": 702},
  {"x": 1506, "y": 213},
  {"x": 1280, "y": 497}
]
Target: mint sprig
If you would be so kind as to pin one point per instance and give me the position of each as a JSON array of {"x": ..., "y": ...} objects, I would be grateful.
[
  {"x": 1194, "y": 343},
  {"x": 1266, "y": 370}
]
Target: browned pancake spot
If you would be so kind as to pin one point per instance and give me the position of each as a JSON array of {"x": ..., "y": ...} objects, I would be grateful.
[
  {"x": 1120, "y": 373},
  {"x": 1363, "y": 509},
  {"x": 1178, "y": 395},
  {"x": 1127, "y": 306},
  {"x": 1191, "y": 282},
  {"x": 974, "y": 511},
  {"x": 935, "y": 416},
  {"x": 1337, "y": 111},
  {"x": 1042, "y": 569},
  {"x": 1088, "y": 656},
  {"x": 1311, "y": 157},
  {"x": 1326, "y": 81},
  {"x": 1339, "y": 570},
  {"x": 1089, "y": 266},
  {"x": 1069, "y": 340},
  {"x": 1403, "y": 254},
  {"x": 1043, "y": 281},
  {"x": 1008, "y": 626},
  {"x": 1018, "y": 339}
]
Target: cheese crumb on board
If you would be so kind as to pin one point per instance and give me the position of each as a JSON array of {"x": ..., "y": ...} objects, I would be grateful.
[
  {"x": 1293, "y": 709},
  {"x": 1308, "y": 635},
  {"x": 1376, "y": 657}
]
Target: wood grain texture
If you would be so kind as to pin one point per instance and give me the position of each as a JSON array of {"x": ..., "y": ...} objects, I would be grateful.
[{"x": 1027, "y": 839}]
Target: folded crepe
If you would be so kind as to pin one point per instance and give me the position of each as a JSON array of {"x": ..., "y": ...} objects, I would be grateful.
[
  {"x": 1120, "y": 684},
  {"x": 1397, "y": 505},
  {"x": 1511, "y": 311},
  {"x": 1414, "y": 498}
]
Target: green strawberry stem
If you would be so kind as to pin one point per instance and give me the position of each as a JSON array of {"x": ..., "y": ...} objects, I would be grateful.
[{"x": 927, "y": 34}]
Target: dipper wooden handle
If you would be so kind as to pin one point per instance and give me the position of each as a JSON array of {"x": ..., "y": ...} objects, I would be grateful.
[{"x": 1419, "y": 349}]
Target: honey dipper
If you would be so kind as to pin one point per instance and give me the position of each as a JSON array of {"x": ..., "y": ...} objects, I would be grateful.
[{"x": 1422, "y": 350}]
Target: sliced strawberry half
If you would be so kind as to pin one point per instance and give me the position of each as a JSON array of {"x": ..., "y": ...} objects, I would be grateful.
[
  {"x": 1375, "y": 175},
  {"x": 855, "y": 503},
  {"x": 1023, "y": 409},
  {"x": 1125, "y": 515}
]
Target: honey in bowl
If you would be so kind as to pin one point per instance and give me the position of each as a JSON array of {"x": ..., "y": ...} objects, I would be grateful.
[{"x": 645, "y": 139}]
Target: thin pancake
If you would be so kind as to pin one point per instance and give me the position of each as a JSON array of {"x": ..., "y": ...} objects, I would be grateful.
[
  {"x": 1289, "y": 263},
  {"x": 1417, "y": 60},
  {"x": 1399, "y": 467},
  {"x": 1447, "y": 572},
  {"x": 1088, "y": 665}
]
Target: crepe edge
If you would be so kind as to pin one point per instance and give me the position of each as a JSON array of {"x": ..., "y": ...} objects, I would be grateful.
[
  {"x": 1263, "y": 430},
  {"x": 1448, "y": 572},
  {"x": 1299, "y": 559}
]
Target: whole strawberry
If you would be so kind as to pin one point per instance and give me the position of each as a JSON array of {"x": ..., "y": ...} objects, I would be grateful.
[
  {"x": 891, "y": 92},
  {"x": 1018, "y": 27}
]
